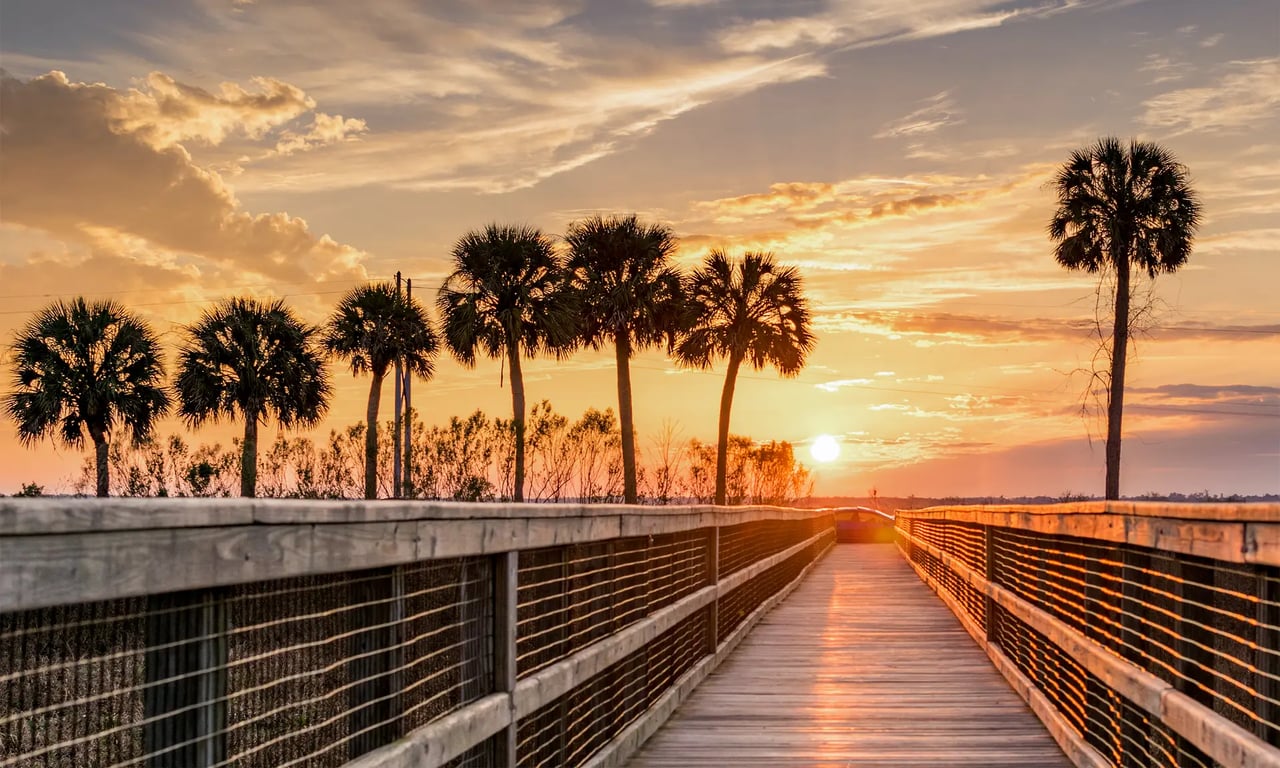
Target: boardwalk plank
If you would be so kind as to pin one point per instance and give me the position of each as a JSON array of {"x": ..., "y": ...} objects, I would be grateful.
[{"x": 861, "y": 666}]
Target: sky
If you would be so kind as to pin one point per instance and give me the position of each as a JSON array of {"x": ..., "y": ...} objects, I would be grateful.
[{"x": 166, "y": 154}]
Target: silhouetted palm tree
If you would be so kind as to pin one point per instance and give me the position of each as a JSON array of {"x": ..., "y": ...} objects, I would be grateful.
[
  {"x": 506, "y": 296},
  {"x": 748, "y": 311},
  {"x": 91, "y": 367},
  {"x": 629, "y": 295},
  {"x": 252, "y": 360},
  {"x": 372, "y": 327},
  {"x": 1121, "y": 207}
]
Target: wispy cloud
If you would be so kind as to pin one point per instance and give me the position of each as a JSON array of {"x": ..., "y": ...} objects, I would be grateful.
[
  {"x": 852, "y": 24},
  {"x": 1164, "y": 69},
  {"x": 1248, "y": 93},
  {"x": 936, "y": 112}
]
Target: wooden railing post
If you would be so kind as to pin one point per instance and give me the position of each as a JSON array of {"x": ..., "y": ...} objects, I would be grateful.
[
  {"x": 374, "y": 698},
  {"x": 186, "y": 674},
  {"x": 713, "y": 578},
  {"x": 1268, "y": 667},
  {"x": 1134, "y": 645},
  {"x": 506, "y": 568},
  {"x": 989, "y": 571}
]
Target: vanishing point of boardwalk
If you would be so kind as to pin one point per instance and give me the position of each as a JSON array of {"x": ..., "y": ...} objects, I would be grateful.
[{"x": 862, "y": 665}]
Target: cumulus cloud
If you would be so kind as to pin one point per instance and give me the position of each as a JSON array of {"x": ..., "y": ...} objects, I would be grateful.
[
  {"x": 82, "y": 163},
  {"x": 1248, "y": 93},
  {"x": 165, "y": 112},
  {"x": 936, "y": 112},
  {"x": 325, "y": 129}
]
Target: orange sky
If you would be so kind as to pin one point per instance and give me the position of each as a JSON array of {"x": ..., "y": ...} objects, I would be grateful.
[{"x": 898, "y": 153}]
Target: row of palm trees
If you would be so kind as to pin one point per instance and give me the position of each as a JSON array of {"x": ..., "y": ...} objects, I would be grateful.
[{"x": 94, "y": 367}]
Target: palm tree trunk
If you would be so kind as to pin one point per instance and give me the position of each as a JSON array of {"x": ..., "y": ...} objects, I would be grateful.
[
  {"x": 100, "y": 447},
  {"x": 371, "y": 438},
  {"x": 722, "y": 432},
  {"x": 1115, "y": 398},
  {"x": 622, "y": 349},
  {"x": 249, "y": 457},
  {"x": 517, "y": 414}
]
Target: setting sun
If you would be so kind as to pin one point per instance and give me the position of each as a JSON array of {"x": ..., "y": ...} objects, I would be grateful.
[{"x": 825, "y": 449}]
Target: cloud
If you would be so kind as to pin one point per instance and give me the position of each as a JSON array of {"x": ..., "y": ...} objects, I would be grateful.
[
  {"x": 1248, "y": 93},
  {"x": 938, "y": 112},
  {"x": 490, "y": 96},
  {"x": 838, "y": 384},
  {"x": 325, "y": 130},
  {"x": 866, "y": 23},
  {"x": 935, "y": 328},
  {"x": 1181, "y": 399},
  {"x": 82, "y": 163},
  {"x": 1211, "y": 40},
  {"x": 1208, "y": 392},
  {"x": 814, "y": 205},
  {"x": 166, "y": 112},
  {"x": 1164, "y": 69},
  {"x": 500, "y": 95}
]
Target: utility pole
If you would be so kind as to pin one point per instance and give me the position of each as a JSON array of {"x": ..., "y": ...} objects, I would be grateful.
[
  {"x": 407, "y": 484},
  {"x": 395, "y": 431}
]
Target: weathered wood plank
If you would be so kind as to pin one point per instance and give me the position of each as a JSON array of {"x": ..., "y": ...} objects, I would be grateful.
[
  {"x": 861, "y": 665},
  {"x": 1235, "y": 512},
  {"x": 30, "y": 517},
  {"x": 1236, "y": 533}
]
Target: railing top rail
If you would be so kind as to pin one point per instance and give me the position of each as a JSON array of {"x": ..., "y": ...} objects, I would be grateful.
[
  {"x": 1224, "y": 512},
  {"x": 56, "y": 551},
  {"x": 44, "y": 516},
  {"x": 1238, "y": 533}
]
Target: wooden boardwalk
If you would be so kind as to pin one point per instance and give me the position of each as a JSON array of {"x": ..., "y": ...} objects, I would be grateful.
[{"x": 861, "y": 666}]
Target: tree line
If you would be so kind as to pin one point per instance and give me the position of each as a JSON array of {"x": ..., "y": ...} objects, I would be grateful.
[
  {"x": 95, "y": 369},
  {"x": 466, "y": 459}
]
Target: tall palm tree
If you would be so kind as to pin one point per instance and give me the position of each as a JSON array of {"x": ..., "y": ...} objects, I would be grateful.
[
  {"x": 1122, "y": 207},
  {"x": 750, "y": 311},
  {"x": 372, "y": 327},
  {"x": 629, "y": 292},
  {"x": 86, "y": 367},
  {"x": 252, "y": 360},
  {"x": 506, "y": 297}
]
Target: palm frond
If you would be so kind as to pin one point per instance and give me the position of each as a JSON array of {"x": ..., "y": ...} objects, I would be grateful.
[
  {"x": 1131, "y": 203},
  {"x": 750, "y": 310},
  {"x": 253, "y": 360},
  {"x": 86, "y": 367}
]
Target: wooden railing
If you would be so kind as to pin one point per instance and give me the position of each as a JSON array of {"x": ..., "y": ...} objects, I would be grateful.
[
  {"x": 1141, "y": 634},
  {"x": 257, "y": 633}
]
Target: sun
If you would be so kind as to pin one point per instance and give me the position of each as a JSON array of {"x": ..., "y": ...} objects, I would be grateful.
[{"x": 825, "y": 448}]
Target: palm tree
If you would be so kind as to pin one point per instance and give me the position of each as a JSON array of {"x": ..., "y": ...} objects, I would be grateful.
[
  {"x": 748, "y": 311},
  {"x": 372, "y": 327},
  {"x": 506, "y": 297},
  {"x": 91, "y": 367},
  {"x": 629, "y": 294},
  {"x": 252, "y": 360},
  {"x": 1122, "y": 207}
]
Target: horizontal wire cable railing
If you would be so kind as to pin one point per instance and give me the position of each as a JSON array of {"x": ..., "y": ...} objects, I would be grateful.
[
  {"x": 1153, "y": 634},
  {"x": 255, "y": 644}
]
